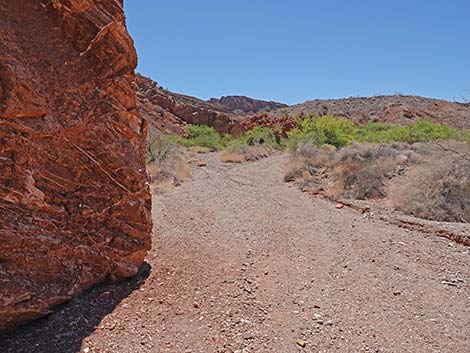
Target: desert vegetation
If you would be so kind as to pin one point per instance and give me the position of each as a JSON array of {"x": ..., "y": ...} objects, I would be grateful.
[
  {"x": 422, "y": 169},
  {"x": 166, "y": 161},
  {"x": 341, "y": 132},
  {"x": 439, "y": 186},
  {"x": 203, "y": 136},
  {"x": 356, "y": 172},
  {"x": 255, "y": 144}
]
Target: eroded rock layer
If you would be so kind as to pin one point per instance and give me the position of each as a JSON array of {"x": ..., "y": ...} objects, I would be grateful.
[
  {"x": 246, "y": 105},
  {"x": 170, "y": 112},
  {"x": 74, "y": 202}
]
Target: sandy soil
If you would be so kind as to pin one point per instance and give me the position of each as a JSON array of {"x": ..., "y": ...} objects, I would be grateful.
[{"x": 242, "y": 262}]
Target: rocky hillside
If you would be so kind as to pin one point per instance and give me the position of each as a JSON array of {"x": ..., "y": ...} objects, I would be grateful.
[
  {"x": 246, "y": 105},
  {"x": 389, "y": 109},
  {"x": 75, "y": 208},
  {"x": 170, "y": 112}
]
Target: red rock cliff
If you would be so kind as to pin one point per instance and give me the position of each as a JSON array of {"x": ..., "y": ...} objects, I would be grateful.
[
  {"x": 170, "y": 112},
  {"x": 74, "y": 203}
]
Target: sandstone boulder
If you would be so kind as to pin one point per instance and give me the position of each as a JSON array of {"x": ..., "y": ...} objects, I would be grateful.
[{"x": 75, "y": 208}]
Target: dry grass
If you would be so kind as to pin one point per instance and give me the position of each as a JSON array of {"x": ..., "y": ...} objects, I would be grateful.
[
  {"x": 357, "y": 172},
  {"x": 439, "y": 187},
  {"x": 245, "y": 153},
  {"x": 166, "y": 162},
  {"x": 195, "y": 150},
  {"x": 232, "y": 157},
  {"x": 427, "y": 180},
  {"x": 362, "y": 170}
]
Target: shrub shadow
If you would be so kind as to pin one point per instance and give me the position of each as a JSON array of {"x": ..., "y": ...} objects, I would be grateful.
[{"x": 64, "y": 330}]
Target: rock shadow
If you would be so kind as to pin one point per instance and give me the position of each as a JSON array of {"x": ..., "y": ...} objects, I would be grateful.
[{"x": 65, "y": 329}]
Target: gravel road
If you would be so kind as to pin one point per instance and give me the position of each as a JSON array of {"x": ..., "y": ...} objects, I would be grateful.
[{"x": 243, "y": 262}]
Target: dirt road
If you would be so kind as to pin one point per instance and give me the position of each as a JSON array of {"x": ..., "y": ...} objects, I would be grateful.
[{"x": 243, "y": 262}]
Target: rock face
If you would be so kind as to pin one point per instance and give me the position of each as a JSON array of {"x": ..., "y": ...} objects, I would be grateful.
[
  {"x": 170, "y": 112},
  {"x": 275, "y": 123},
  {"x": 74, "y": 199},
  {"x": 243, "y": 105}
]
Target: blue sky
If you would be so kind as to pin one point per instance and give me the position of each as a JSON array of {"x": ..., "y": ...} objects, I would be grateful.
[{"x": 297, "y": 50}]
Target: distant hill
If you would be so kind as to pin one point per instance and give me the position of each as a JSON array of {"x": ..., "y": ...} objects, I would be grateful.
[
  {"x": 398, "y": 109},
  {"x": 246, "y": 105},
  {"x": 170, "y": 112}
]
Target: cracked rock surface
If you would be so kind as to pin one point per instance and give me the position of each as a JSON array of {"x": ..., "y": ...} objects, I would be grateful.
[{"x": 74, "y": 203}]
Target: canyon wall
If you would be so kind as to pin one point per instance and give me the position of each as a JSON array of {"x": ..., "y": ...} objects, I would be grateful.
[
  {"x": 75, "y": 208},
  {"x": 170, "y": 112}
]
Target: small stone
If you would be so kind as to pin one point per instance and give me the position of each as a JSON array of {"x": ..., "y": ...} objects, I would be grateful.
[
  {"x": 339, "y": 206},
  {"x": 201, "y": 163},
  {"x": 247, "y": 336},
  {"x": 301, "y": 343},
  {"x": 329, "y": 323},
  {"x": 86, "y": 349}
]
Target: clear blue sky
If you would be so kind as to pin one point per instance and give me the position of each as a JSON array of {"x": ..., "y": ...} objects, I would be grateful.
[{"x": 296, "y": 50}]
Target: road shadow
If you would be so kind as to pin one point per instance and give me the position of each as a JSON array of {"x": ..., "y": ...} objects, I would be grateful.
[{"x": 64, "y": 330}]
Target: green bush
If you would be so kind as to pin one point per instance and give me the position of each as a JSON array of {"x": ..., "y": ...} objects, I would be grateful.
[
  {"x": 380, "y": 133},
  {"x": 425, "y": 130},
  {"x": 208, "y": 137},
  {"x": 463, "y": 136},
  {"x": 341, "y": 132},
  {"x": 324, "y": 130},
  {"x": 203, "y": 136}
]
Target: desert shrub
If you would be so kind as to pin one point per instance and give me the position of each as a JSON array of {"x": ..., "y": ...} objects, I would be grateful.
[
  {"x": 338, "y": 132},
  {"x": 166, "y": 160},
  {"x": 421, "y": 131},
  {"x": 358, "y": 171},
  {"x": 255, "y": 144},
  {"x": 440, "y": 189},
  {"x": 463, "y": 136},
  {"x": 258, "y": 136},
  {"x": 361, "y": 170},
  {"x": 425, "y": 130},
  {"x": 341, "y": 132},
  {"x": 263, "y": 136},
  {"x": 245, "y": 153},
  {"x": 380, "y": 133},
  {"x": 160, "y": 148},
  {"x": 308, "y": 160},
  {"x": 203, "y": 136}
]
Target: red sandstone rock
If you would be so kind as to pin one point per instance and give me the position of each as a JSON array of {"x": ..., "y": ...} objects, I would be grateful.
[
  {"x": 281, "y": 124},
  {"x": 74, "y": 202},
  {"x": 170, "y": 112}
]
